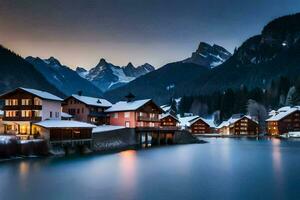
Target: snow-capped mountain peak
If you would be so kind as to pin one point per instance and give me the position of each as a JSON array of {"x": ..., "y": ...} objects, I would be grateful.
[
  {"x": 107, "y": 76},
  {"x": 209, "y": 56}
]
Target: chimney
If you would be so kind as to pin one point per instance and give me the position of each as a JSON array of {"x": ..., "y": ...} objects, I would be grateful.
[
  {"x": 129, "y": 97},
  {"x": 79, "y": 92},
  {"x": 99, "y": 101}
]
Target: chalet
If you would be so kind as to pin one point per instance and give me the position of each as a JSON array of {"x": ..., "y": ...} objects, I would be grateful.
[
  {"x": 24, "y": 106},
  {"x": 285, "y": 120},
  {"x": 197, "y": 125},
  {"x": 143, "y": 117},
  {"x": 133, "y": 114},
  {"x": 168, "y": 120},
  {"x": 202, "y": 126},
  {"x": 239, "y": 126},
  {"x": 87, "y": 109}
]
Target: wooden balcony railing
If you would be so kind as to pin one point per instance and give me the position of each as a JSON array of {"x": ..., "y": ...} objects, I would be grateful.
[{"x": 148, "y": 119}]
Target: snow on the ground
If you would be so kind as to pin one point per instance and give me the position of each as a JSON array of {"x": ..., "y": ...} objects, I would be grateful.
[{"x": 105, "y": 128}]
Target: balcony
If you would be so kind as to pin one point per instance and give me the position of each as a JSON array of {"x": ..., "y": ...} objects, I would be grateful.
[
  {"x": 147, "y": 119},
  {"x": 22, "y": 118},
  {"x": 158, "y": 128},
  {"x": 23, "y": 107}
]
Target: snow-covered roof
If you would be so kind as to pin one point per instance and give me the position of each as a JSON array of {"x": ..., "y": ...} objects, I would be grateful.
[
  {"x": 127, "y": 106},
  {"x": 210, "y": 122},
  {"x": 165, "y": 108},
  {"x": 92, "y": 101},
  {"x": 66, "y": 115},
  {"x": 64, "y": 124},
  {"x": 105, "y": 128},
  {"x": 223, "y": 124},
  {"x": 185, "y": 121},
  {"x": 168, "y": 114},
  {"x": 283, "y": 112},
  {"x": 232, "y": 120},
  {"x": 42, "y": 94}
]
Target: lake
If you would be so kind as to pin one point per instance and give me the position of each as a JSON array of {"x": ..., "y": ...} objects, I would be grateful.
[{"x": 224, "y": 168}]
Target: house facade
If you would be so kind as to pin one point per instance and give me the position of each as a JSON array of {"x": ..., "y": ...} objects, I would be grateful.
[
  {"x": 201, "y": 126},
  {"x": 24, "y": 106},
  {"x": 283, "y": 121},
  {"x": 239, "y": 126},
  {"x": 135, "y": 114},
  {"x": 87, "y": 109}
]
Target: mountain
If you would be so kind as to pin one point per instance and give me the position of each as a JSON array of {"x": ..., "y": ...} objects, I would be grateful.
[
  {"x": 209, "y": 56},
  {"x": 258, "y": 61},
  {"x": 62, "y": 77},
  {"x": 17, "y": 72},
  {"x": 107, "y": 76}
]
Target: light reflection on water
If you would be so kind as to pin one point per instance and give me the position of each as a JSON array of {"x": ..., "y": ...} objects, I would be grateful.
[{"x": 220, "y": 169}]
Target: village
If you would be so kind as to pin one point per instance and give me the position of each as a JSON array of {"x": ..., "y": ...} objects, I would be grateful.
[{"x": 31, "y": 115}]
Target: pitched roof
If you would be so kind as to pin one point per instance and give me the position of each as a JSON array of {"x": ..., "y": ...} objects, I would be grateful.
[
  {"x": 42, "y": 94},
  {"x": 167, "y": 115},
  {"x": 283, "y": 112},
  {"x": 209, "y": 122},
  {"x": 39, "y": 93},
  {"x": 185, "y": 121},
  {"x": 92, "y": 101},
  {"x": 64, "y": 124},
  {"x": 232, "y": 120},
  {"x": 128, "y": 106}
]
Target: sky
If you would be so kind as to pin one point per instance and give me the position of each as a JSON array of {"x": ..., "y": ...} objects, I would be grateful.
[{"x": 80, "y": 32}]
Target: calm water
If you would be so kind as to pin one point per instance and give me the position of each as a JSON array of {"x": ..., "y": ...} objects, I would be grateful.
[{"x": 221, "y": 169}]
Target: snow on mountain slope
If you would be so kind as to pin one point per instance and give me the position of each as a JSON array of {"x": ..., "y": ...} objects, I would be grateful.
[{"x": 107, "y": 76}]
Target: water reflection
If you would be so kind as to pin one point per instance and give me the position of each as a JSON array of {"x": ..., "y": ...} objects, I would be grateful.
[
  {"x": 277, "y": 164},
  {"x": 127, "y": 168}
]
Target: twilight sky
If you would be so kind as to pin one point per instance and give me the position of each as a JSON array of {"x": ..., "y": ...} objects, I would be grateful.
[{"x": 80, "y": 32}]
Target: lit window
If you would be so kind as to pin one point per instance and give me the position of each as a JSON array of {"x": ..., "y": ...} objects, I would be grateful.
[
  {"x": 37, "y": 101},
  {"x": 11, "y": 102},
  {"x": 26, "y": 102},
  {"x": 25, "y": 113}
]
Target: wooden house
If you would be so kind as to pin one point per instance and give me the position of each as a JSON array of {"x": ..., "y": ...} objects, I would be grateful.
[
  {"x": 283, "y": 121},
  {"x": 24, "y": 106},
  {"x": 239, "y": 126},
  {"x": 87, "y": 109}
]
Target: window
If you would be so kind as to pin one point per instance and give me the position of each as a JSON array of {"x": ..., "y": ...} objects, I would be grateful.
[
  {"x": 11, "y": 102},
  {"x": 26, "y": 102},
  {"x": 26, "y": 113},
  {"x": 10, "y": 113},
  {"x": 127, "y": 124},
  {"x": 37, "y": 113},
  {"x": 50, "y": 114},
  {"x": 56, "y": 114},
  {"x": 93, "y": 120},
  {"x": 37, "y": 101},
  {"x": 127, "y": 114},
  {"x": 115, "y": 115}
]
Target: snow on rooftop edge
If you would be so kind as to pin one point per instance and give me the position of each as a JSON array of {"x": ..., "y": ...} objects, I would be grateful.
[
  {"x": 127, "y": 106},
  {"x": 93, "y": 101},
  {"x": 42, "y": 94},
  {"x": 64, "y": 124}
]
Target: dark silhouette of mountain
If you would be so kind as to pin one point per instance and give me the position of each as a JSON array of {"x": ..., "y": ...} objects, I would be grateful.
[
  {"x": 62, "y": 77},
  {"x": 17, "y": 72},
  {"x": 209, "y": 56},
  {"x": 259, "y": 60}
]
